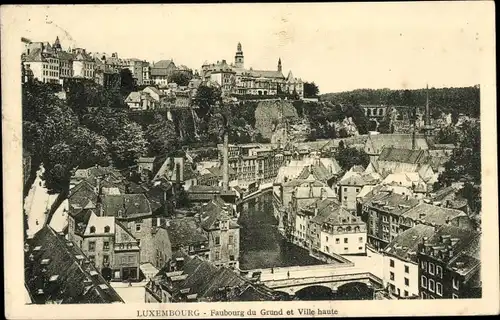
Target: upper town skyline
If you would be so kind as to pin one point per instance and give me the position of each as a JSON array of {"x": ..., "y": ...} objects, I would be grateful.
[{"x": 341, "y": 48}]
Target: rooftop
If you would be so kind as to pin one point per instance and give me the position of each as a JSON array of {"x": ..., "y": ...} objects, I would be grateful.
[{"x": 55, "y": 274}]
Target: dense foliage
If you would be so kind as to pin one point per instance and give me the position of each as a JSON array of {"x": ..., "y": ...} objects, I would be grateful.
[
  {"x": 348, "y": 157},
  {"x": 180, "y": 78},
  {"x": 447, "y": 100},
  {"x": 311, "y": 90},
  {"x": 465, "y": 164},
  {"x": 89, "y": 127}
]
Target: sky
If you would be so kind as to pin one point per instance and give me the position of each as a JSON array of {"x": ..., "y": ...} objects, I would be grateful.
[{"x": 338, "y": 46}]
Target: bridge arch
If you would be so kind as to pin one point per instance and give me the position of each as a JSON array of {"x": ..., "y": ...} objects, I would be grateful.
[
  {"x": 354, "y": 291},
  {"x": 314, "y": 292}
]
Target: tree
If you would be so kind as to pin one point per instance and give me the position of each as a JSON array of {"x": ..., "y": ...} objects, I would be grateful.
[
  {"x": 180, "y": 78},
  {"x": 311, "y": 90},
  {"x": 129, "y": 145},
  {"x": 127, "y": 82},
  {"x": 161, "y": 137},
  {"x": 447, "y": 135},
  {"x": 348, "y": 157},
  {"x": 385, "y": 126},
  {"x": 206, "y": 99},
  {"x": 95, "y": 147},
  {"x": 465, "y": 161}
]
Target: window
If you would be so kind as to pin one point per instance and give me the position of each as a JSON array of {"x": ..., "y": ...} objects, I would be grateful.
[
  {"x": 217, "y": 240},
  {"x": 231, "y": 239},
  {"x": 92, "y": 246},
  {"x": 357, "y": 189},
  {"x": 391, "y": 263},
  {"x": 345, "y": 198},
  {"x": 407, "y": 269},
  {"x": 424, "y": 295},
  {"x": 345, "y": 249},
  {"x": 346, "y": 240},
  {"x": 105, "y": 259},
  {"x": 217, "y": 255},
  {"x": 337, "y": 240},
  {"x": 423, "y": 265},
  {"x": 431, "y": 285},
  {"x": 92, "y": 258},
  {"x": 92, "y": 229},
  {"x": 345, "y": 189},
  {"x": 407, "y": 282},
  {"x": 423, "y": 282},
  {"x": 406, "y": 293},
  {"x": 106, "y": 245},
  {"x": 391, "y": 276},
  {"x": 431, "y": 268},
  {"x": 360, "y": 239},
  {"x": 439, "y": 271},
  {"x": 326, "y": 238},
  {"x": 231, "y": 257},
  {"x": 137, "y": 227},
  {"x": 327, "y": 249},
  {"x": 439, "y": 288},
  {"x": 454, "y": 296},
  {"x": 455, "y": 283}
]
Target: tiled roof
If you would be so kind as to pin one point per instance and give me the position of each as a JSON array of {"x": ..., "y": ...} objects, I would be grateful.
[
  {"x": 163, "y": 64},
  {"x": 404, "y": 141},
  {"x": 404, "y": 155},
  {"x": 62, "y": 277},
  {"x": 216, "y": 210},
  {"x": 184, "y": 232},
  {"x": 433, "y": 215},
  {"x": 405, "y": 245},
  {"x": 81, "y": 196},
  {"x": 358, "y": 179},
  {"x": 126, "y": 205},
  {"x": 301, "y": 182},
  {"x": 318, "y": 171},
  {"x": 394, "y": 203},
  {"x": 155, "y": 90},
  {"x": 466, "y": 248}
]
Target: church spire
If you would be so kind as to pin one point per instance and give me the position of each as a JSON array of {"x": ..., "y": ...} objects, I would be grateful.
[{"x": 239, "y": 59}]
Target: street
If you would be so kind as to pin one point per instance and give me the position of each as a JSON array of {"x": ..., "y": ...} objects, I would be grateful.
[
  {"x": 133, "y": 294},
  {"x": 37, "y": 203}
]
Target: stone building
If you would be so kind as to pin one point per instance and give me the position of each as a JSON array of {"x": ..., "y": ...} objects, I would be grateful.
[{"x": 450, "y": 264}]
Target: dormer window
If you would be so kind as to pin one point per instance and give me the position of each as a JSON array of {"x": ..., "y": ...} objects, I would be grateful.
[{"x": 92, "y": 229}]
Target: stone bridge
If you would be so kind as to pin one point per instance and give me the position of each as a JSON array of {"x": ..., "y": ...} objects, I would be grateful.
[{"x": 293, "y": 279}]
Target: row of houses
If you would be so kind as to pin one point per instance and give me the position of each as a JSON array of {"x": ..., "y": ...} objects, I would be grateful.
[{"x": 50, "y": 63}]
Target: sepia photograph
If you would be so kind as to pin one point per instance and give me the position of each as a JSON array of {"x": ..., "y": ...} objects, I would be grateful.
[{"x": 279, "y": 159}]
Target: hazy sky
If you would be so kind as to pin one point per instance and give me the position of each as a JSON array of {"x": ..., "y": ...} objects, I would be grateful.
[{"x": 339, "y": 46}]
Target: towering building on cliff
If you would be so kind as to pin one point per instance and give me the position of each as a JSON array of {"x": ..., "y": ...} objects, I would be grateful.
[{"x": 239, "y": 59}]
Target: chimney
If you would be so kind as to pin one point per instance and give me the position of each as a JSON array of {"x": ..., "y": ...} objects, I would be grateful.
[
  {"x": 311, "y": 194},
  {"x": 316, "y": 209},
  {"x": 225, "y": 164},
  {"x": 427, "y": 109}
]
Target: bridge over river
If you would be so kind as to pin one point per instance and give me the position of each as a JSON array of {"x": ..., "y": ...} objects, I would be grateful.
[
  {"x": 293, "y": 279},
  {"x": 268, "y": 258}
]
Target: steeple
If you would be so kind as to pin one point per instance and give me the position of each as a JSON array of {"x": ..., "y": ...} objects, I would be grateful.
[
  {"x": 57, "y": 44},
  {"x": 239, "y": 59},
  {"x": 279, "y": 65},
  {"x": 427, "y": 120}
]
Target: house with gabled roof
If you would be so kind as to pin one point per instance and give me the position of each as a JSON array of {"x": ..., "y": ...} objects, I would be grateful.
[
  {"x": 377, "y": 142},
  {"x": 218, "y": 221},
  {"x": 57, "y": 271}
]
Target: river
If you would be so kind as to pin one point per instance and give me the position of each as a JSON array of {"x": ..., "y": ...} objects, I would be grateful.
[{"x": 261, "y": 245}]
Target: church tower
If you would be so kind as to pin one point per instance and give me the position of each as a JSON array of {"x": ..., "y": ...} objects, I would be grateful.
[
  {"x": 57, "y": 45},
  {"x": 238, "y": 58},
  {"x": 279, "y": 65}
]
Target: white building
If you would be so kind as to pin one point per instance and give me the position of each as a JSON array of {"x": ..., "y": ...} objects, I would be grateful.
[
  {"x": 343, "y": 233},
  {"x": 401, "y": 275}
]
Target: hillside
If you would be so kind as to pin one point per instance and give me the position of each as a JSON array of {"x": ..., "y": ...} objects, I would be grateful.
[{"x": 464, "y": 100}]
